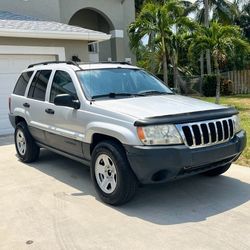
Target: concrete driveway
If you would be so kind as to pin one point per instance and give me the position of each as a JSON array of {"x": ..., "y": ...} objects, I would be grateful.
[{"x": 52, "y": 204}]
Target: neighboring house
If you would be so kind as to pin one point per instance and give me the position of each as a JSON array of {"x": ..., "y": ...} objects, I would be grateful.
[{"x": 33, "y": 31}]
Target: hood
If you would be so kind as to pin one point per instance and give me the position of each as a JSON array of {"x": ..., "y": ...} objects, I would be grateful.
[{"x": 151, "y": 106}]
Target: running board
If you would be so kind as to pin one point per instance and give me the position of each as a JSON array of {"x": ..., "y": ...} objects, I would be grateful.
[{"x": 72, "y": 157}]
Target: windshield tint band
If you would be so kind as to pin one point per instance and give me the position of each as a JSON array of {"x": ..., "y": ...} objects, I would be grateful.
[{"x": 187, "y": 117}]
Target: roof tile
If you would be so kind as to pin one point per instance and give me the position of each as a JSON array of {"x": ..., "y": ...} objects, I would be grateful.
[{"x": 9, "y": 20}]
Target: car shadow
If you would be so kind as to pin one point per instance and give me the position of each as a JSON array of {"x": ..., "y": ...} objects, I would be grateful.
[{"x": 187, "y": 200}]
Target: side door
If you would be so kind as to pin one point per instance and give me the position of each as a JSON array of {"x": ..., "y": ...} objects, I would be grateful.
[
  {"x": 66, "y": 130},
  {"x": 35, "y": 105}
]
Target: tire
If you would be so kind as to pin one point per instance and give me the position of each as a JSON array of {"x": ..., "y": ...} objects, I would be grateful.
[
  {"x": 217, "y": 171},
  {"x": 26, "y": 148},
  {"x": 111, "y": 174}
]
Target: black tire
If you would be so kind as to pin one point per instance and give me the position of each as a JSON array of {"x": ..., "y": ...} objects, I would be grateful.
[
  {"x": 32, "y": 151},
  {"x": 126, "y": 182},
  {"x": 217, "y": 171}
]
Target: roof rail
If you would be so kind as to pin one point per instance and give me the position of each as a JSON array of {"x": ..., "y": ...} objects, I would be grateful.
[
  {"x": 54, "y": 62},
  {"x": 107, "y": 62}
]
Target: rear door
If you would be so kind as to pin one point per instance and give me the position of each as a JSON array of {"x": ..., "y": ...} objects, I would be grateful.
[
  {"x": 10, "y": 68},
  {"x": 36, "y": 106},
  {"x": 18, "y": 98}
]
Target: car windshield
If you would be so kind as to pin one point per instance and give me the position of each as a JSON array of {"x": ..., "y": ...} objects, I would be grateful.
[{"x": 120, "y": 83}]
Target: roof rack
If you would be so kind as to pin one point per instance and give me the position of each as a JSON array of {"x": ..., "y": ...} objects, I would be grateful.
[
  {"x": 107, "y": 62},
  {"x": 54, "y": 62},
  {"x": 76, "y": 64}
]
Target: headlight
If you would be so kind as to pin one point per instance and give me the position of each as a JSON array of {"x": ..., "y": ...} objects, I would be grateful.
[
  {"x": 159, "y": 135},
  {"x": 236, "y": 120}
]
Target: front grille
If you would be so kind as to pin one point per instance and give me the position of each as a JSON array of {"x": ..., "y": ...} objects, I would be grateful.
[{"x": 207, "y": 132}]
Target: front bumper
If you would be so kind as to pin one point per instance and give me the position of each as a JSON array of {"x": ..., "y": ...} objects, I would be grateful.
[{"x": 153, "y": 164}]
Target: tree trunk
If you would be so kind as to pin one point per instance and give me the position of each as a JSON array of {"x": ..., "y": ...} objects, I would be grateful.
[
  {"x": 176, "y": 84},
  {"x": 182, "y": 83},
  {"x": 206, "y": 23},
  {"x": 206, "y": 17},
  {"x": 209, "y": 67},
  {"x": 165, "y": 69},
  {"x": 175, "y": 73},
  {"x": 202, "y": 71},
  {"x": 218, "y": 78},
  {"x": 165, "y": 62}
]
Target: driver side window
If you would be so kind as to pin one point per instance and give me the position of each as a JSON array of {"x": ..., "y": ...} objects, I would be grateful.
[{"x": 62, "y": 84}]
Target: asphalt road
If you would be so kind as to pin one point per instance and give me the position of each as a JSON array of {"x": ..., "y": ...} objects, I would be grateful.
[{"x": 51, "y": 204}]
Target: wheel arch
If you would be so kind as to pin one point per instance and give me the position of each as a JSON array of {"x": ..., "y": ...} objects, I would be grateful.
[
  {"x": 19, "y": 119},
  {"x": 125, "y": 135},
  {"x": 98, "y": 137}
]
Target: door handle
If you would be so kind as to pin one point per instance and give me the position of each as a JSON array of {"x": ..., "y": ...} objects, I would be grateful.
[
  {"x": 26, "y": 105},
  {"x": 50, "y": 111}
]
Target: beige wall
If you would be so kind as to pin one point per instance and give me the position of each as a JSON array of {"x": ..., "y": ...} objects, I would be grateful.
[
  {"x": 113, "y": 9},
  {"x": 119, "y": 16},
  {"x": 46, "y": 9},
  {"x": 129, "y": 17},
  {"x": 78, "y": 48}
]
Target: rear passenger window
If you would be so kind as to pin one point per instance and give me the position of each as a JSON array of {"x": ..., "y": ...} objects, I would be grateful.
[
  {"x": 39, "y": 85},
  {"x": 22, "y": 83},
  {"x": 62, "y": 84}
]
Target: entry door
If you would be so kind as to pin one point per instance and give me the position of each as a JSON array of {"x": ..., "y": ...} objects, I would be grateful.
[
  {"x": 65, "y": 127},
  {"x": 10, "y": 69}
]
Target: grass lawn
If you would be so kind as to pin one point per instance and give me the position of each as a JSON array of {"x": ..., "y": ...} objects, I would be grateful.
[{"x": 242, "y": 103}]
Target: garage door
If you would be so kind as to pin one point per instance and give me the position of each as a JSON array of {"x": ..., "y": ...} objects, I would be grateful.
[{"x": 10, "y": 68}]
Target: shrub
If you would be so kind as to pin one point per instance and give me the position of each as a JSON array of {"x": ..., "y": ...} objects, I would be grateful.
[
  {"x": 226, "y": 87},
  {"x": 209, "y": 85}
]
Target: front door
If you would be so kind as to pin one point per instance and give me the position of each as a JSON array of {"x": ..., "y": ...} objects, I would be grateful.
[{"x": 65, "y": 129}]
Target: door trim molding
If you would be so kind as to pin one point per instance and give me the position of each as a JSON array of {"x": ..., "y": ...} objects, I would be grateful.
[{"x": 33, "y": 50}]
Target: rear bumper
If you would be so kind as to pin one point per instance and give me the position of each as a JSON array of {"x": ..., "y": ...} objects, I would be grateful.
[
  {"x": 153, "y": 164},
  {"x": 12, "y": 120}
]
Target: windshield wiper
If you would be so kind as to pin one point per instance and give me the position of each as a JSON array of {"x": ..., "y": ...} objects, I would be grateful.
[
  {"x": 114, "y": 95},
  {"x": 144, "y": 93},
  {"x": 154, "y": 92}
]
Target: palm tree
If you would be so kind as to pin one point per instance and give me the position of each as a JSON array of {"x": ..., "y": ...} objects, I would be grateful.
[
  {"x": 221, "y": 40},
  {"x": 219, "y": 10},
  {"x": 241, "y": 16},
  {"x": 138, "y": 5},
  {"x": 158, "y": 22}
]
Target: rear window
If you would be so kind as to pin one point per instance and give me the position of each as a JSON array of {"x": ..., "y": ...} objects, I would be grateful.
[
  {"x": 39, "y": 85},
  {"x": 22, "y": 83}
]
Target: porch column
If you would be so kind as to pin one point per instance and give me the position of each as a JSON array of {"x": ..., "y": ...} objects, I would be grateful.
[{"x": 117, "y": 45}]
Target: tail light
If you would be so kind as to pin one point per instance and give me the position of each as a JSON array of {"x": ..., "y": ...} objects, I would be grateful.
[{"x": 10, "y": 104}]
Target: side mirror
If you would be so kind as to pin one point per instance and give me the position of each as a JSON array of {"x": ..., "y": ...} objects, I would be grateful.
[
  {"x": 174, "y": 90},
  {"x": 67, "y": 101}
]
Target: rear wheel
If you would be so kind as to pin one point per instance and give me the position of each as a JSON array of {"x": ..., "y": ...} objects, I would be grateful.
[
  {"x": 217, "y": 171},
  {"x": 113, "y": 178},
  {"x": 26, "y": 148}
]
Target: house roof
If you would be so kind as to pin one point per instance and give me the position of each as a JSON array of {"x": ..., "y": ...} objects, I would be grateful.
[{"x": 15, "y": 25}]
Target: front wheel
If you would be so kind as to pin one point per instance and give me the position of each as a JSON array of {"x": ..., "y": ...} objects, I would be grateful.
[
  {"x": 217, "y": 171},
  {"x": 113, "y": 178}
]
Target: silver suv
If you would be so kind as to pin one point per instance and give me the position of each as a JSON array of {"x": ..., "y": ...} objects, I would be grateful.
[{"x": 122, "y": 122}]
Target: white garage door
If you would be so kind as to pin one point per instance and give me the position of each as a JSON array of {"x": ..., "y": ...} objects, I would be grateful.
[{"x": 10, "y": 68}]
